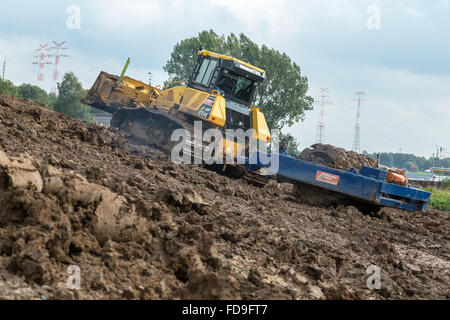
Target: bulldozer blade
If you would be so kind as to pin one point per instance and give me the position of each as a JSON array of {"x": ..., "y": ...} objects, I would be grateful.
[
  {"x": 100, "y": 92},
  {"x": 110, "y": 94}
]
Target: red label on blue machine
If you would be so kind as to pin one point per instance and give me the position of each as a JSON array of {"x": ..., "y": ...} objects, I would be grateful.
[{"x": 327, "y": 178}]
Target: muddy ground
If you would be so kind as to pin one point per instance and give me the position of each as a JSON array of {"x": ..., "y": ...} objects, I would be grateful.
[{"x": 139, "y": 227}]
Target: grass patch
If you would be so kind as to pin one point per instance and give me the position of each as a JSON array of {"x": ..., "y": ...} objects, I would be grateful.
[
  {"x": 447, "y": 185},
  {"x": 418, "y": 172},
  {"x": 440, "y": 198}
]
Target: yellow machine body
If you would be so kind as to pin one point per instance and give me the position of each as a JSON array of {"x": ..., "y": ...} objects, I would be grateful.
[{"x": 111, "y": 93}]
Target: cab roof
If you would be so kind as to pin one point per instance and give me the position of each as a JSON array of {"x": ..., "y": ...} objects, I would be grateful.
[{"x": 222, "y": 56}]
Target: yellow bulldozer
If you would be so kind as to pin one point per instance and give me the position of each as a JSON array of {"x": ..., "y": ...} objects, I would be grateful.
[{"x": 220, "y": 93}]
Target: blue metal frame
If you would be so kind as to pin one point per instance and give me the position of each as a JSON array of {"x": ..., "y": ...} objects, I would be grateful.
[{"x": 368, "y": 186}]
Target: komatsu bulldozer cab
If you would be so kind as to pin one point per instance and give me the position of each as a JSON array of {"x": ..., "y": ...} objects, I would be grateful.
[{"x": 236, "y": 80}]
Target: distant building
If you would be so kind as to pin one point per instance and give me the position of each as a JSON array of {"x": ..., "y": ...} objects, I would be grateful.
[{"x": 443, "y": 171}]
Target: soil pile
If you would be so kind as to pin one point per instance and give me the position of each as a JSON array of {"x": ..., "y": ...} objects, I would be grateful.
[
  {"x": 337, "y": 158},
  {"x": 140, "y": 227}
]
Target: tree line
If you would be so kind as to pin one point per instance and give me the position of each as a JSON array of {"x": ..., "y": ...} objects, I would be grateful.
[
  {"x": 67, "y": 102},
  {"x": 409, "y": 162}
]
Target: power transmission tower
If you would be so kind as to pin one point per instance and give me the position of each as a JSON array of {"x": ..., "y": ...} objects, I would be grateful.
[
  {"x": 41, "y": 62},
  {"x": 356, "y": 139},
  {"x": 57, "y": 55},
  {"x": 4, "y": 68},
  {"x": 324, "y": 99}
]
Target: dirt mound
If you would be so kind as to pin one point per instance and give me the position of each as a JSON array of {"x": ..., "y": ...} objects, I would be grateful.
[
  {"x": 140, "y": 227},
  {"x": 337, "y": 158}
]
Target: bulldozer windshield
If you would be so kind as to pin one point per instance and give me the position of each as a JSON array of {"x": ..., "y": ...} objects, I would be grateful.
[
  {"x": 206, "y": 72},
  {"x": 234, "y": 80}
]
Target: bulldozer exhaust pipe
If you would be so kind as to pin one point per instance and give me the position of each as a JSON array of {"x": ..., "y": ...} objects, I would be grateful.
[{"x": 124, "y": 69}]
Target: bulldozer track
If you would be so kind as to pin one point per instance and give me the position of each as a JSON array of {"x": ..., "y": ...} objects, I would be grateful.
[{"x": 154, "y": 127}]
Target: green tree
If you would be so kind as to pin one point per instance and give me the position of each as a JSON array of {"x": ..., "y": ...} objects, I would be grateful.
[
  {"x": 184, "y": 56},
  {"x": 52, "y": 98},
  {"x": 34, "y": 93},
  {"x": 292, "y": 144},
  {"x": 70, "y": 94},
  {"x": 7, "y": 87},
  {"x": 282, "y": 97}
]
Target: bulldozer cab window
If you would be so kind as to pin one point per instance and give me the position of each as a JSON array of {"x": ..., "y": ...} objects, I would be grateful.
[
  {"x": 206, "y": 72},
  {"x": 235, "y": 86}
]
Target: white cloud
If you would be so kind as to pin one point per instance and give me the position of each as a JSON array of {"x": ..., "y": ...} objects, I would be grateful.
[
  {"x": 283, "y": 17},
  {"x": 411, "y": 8},
  {"x": 275, "y": 18},
  {"x": 138, "y": 14}
]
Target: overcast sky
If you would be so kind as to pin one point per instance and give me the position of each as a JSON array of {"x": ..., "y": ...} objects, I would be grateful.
[{"x": 397, "y": 51}]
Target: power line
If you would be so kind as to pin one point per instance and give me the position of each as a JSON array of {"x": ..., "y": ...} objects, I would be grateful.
[
  {"x": 42, "y": 50},
  {"x": 357, "y": 136},
  {"x": 324, "y": 100},
  {"x": 57, "y": 55},
  {"x": 389, "y": 140}
]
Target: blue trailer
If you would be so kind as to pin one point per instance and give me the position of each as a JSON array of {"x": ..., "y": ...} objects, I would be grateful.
[{"x": 368, "y": 186}]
